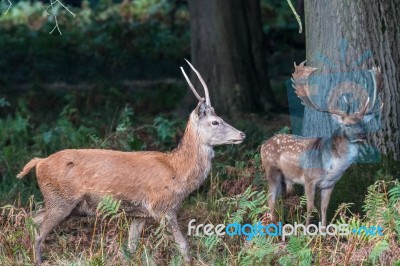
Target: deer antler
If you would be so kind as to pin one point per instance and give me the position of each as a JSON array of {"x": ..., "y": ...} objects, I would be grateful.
[
  {"x": 208, "y": 102},
  {"x": 376, "y": 76},
  {"x": 191, "y": 86},
  {"x": 300, "y": 84}
]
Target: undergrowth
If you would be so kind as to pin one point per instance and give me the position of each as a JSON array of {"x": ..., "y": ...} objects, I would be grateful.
[
  {"x": 102, "y": 240},
  {"x": 235, "y": 192}
]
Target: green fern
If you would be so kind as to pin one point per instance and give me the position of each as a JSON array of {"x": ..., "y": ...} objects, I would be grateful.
[
  {"x": 161, "y": 235},
  {"x": 108, "y": 207},
  {"x": 211, "y": 242},
  {"x": 284, "y": 130},
  {"x": 299, "y": 252},
  {"x": 260, "y": 252},
  {"x": 394, "y": 194},
  {"x": 376, "y": 203},
  {"x": 250, "y": 203},
  {"x": 394, "y": 200},
  {"x": 382, "y": 206},
  {"x": 378, "y": 249}
]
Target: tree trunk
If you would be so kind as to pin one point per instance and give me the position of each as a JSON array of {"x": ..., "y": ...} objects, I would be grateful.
[
  {"x": 227, "y": 48},
  {"x": 355, "y": 35}
]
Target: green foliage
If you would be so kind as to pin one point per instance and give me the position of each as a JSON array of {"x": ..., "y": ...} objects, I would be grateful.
[
  {"x": 166, "y": 129},
  {"x": 394, "y": 202},
  {"x": 211, "y": 242},
  {"x": 248, "y": 206},
  {"x": 4, "y": 102},
  {"x": 298, "y": 252},
  {"x": 378, "y": 249},
  {"x": 114, "y": 42},
  {"x": 284, "y": 130},
  {"x": 108, "y": 207},
  {"x": 382, "y": 206},
  {"x": 261, "y": 252},
  {"x": 376, "y": 202}
]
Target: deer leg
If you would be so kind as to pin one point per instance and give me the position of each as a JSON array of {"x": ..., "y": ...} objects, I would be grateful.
[
  {"x": 309, "y": 190},
  {"x": 325, "y": 196},
  {"x": 289, "y": 187},
  {"x": 274, "y": 190},
  {"x": 179, "y": 239},
  {"x": 55, "y": 213},
  {"x": 135, "y": 231},
  {"x": 39, "y": 216}
]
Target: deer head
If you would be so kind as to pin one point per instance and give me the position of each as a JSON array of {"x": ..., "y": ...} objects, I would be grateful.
[
  {"x": 212, "y": 129},
  {"x": 351, "y": 125}
]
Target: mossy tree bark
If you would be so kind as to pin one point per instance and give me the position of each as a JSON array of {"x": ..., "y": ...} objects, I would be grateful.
[
  {"x": 227, "y": 47},
  {"x": 365, "y": 25}
]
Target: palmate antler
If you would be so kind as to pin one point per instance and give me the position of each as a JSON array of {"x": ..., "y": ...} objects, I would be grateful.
[{"x": 300, "y": 84}]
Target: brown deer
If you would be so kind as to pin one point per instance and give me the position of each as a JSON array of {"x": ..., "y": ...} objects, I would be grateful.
[
  {"x": 315, "y": 162},
  {"x": 150, "y": 184}
]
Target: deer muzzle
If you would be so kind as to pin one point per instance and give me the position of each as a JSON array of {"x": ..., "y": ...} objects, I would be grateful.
[{"x": 239, "y": 139}]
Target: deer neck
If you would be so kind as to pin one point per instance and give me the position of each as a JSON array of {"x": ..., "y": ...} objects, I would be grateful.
[
  {"x": 192, "y": 159},
  {"x": 340, "y": 147}
]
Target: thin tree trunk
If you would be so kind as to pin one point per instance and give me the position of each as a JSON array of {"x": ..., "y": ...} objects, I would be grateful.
[
  {"x": 227, "y": 48},
  {"x": 345, "y": 32}
]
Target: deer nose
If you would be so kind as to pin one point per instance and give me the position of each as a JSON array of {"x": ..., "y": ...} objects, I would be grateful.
[{"x": 242, "y": 135}]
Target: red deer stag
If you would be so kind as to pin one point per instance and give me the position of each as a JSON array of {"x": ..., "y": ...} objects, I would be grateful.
[
  {"x": 150, "y": 184},
  {"x": 316, "y": 162}
]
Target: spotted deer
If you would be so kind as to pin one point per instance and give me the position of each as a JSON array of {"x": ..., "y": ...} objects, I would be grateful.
[
  {"x": 150, "y": 184},
  {"x": 316, "y": 162}
]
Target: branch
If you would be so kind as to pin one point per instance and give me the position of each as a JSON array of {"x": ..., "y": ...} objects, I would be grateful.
[
  {"x": 296, "y": 16},
  {"x": 9, "y": 6},
  {"x": 52, "y": 3}
]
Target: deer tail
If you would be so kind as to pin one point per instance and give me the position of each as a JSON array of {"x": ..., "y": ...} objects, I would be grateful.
[{"x": 28, "y": 167}]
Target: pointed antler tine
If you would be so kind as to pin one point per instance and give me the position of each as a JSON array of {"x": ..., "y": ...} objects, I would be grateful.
[
  {"x": 373, "y": 72},
  {"x": 302, "y": 63},
  {"x": 381, "y": 107},
  {"x": 207, "y": 95},
  {"x": 364, "y": 110},
  {"x": 191, "y": 85}
]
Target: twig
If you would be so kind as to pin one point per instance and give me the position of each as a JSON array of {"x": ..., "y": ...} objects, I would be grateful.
[
  {"x": 296, "y": 15},
  {"x": 56, "y": 26},
  {"x": 9, "y": 6},
  {"x": 55, "y": 16}
]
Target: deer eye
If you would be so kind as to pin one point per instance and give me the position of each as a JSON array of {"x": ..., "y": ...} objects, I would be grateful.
[{"x": 215, "y": 123}]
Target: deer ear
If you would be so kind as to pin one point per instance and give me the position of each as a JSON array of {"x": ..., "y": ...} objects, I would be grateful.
[
  {"x": 201, "y": 109},
  {"x": 337, "y": 118}
]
